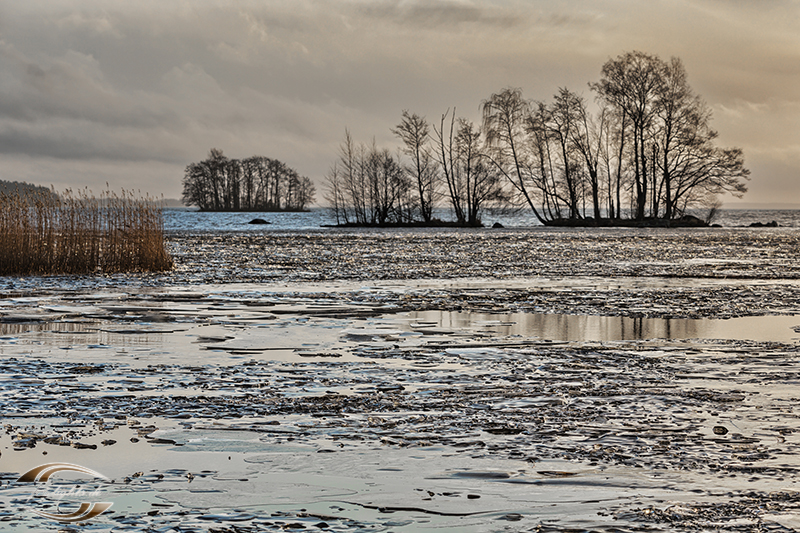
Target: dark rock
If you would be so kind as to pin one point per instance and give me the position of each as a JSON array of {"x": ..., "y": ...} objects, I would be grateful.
[
  {"x": 497, "y": 225},
  {"x": 162, "y": 441},
  {"x": 259, "y": 221},
  {"x": 772, "y": 224},
  {"x": 87, "y": 369},
  {"x": 689, "y": 221},
  {"x": 482, "y": 475}
]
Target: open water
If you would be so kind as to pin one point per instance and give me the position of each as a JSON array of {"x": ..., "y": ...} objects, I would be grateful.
[{"x": 188, "y": 219}]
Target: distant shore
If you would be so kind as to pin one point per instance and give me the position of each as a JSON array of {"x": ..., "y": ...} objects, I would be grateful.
[
  {"x": 687, "y": 221},
  {"x": 436, "y": 223}
]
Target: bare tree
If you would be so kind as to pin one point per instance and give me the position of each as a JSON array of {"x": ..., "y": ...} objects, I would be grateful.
[
  {"x": 649, "y": 150},
  {"x": 613, "y": 144},
  {"x": 680, "y": 114},
  {"x": 504, "y": 118},
  {"x": 543, "y": 168},
  {"x": 390, "y": 187},
  {"x": 476, "y": 180},
  {"x": 674, "y": 159},
  {"x": 691, "y": 165},
  {"x": 565, "y": 115},
  {"x": 472, "y": 181},
  {"x": 447, "y": 157},
  {"x": 215, "y": 164},
  {"x": 367, "y": 186},
  {"x": 335, "y": 194},
  {"x": 631, "y": 83},
  {"x": 354, "y": 182},
  {"x": 587, "y": 138},
  {"x": 414, "y": 132}
]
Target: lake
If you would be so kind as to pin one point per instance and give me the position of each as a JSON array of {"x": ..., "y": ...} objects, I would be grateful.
[
  {"x": 289, "y": 376},
  {"x": 188, "y": 219}
]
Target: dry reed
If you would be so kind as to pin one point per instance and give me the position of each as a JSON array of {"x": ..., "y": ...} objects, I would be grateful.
[{"x": 77, "y": 233}]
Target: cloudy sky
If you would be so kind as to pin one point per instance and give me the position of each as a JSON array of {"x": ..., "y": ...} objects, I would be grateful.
[{"x": 129, "y": 93}]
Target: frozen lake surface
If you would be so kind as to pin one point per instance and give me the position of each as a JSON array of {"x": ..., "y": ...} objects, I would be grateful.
[{"x": 429, "y": 380}]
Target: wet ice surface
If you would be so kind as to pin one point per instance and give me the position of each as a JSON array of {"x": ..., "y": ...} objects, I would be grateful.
[
  {"x": 390, "y": 399},
  {"x": 448, "y": 254}
]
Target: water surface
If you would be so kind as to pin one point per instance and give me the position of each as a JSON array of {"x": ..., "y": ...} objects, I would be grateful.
[{"x": 583, "y": 328}]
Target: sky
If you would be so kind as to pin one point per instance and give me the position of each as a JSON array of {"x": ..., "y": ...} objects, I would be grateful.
[{"x": 129, "y": 93}]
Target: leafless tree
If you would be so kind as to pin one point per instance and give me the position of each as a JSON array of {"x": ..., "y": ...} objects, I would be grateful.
[
  {"x": 414, "y": 132},
  {"x": 447, "y": 158},
  {"x": 587, "y": 138},
  {"x": 544, "y": 175},
  {"x": 613, "y": 147},
  {"x": 565, "y": 116},
  {"x": 504, "y": 119},
  {"x": 690, "y": 165},
  {"x": 472, "y": 182},
  {"x": 335, "y": 194},
  {"x": 649, "y": 149},
  {"x": 367, "y": 186},
  {"x": 631, "y": 83},
  {"x": 675, "y": 161},
  {"x": 480, "y": 182}
]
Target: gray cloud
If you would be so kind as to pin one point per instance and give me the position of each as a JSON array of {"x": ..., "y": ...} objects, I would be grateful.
[
  {"x": 441, "y": 15},
  {"x": 105, "y": 87}
]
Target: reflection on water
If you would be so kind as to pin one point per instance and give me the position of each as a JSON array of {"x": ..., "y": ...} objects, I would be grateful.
[
  {"x": 74, "y": 335},
  {"x": 611, "y": 328},
  {"x": 18, "y": 328}
]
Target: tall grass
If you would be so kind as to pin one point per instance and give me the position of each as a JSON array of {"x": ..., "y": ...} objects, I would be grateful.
[{"x": 77, "y": 233}]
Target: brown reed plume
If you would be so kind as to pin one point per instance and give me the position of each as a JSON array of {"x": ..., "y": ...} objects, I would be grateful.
[{"x": 77, "y": 233}]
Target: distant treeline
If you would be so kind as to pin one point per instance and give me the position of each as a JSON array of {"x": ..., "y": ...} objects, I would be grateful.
[
  {"x": 16, "y": 187},
  {"x": 253, "y": 184},
  {"x": 647, "y": 153}
]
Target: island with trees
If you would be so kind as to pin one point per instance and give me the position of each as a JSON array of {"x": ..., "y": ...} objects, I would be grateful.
[
  {"x": 254, "y": 184},
  {"x": 647, "y": 155}
]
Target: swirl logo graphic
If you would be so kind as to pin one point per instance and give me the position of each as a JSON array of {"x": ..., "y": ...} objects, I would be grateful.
[{"x": 86, "y": 510}]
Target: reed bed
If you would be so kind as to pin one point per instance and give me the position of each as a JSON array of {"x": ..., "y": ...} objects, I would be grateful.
[{"x": 77, "y": 233}]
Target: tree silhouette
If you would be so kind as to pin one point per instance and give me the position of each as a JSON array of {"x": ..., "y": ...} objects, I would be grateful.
[{"x": 253, "y": 184}]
